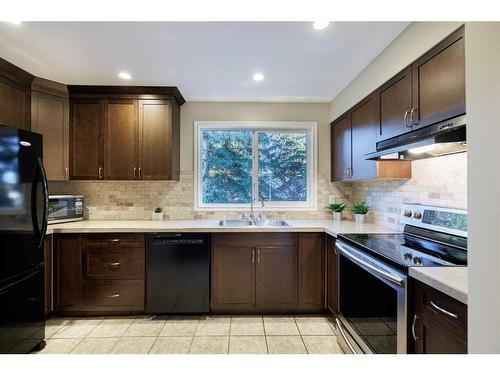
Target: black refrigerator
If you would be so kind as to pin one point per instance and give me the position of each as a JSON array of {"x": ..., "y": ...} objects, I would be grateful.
[{"x": 23, "y": 223}]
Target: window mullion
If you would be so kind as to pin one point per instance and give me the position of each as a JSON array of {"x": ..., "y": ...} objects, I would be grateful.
[{"x": 255, "y": 164}]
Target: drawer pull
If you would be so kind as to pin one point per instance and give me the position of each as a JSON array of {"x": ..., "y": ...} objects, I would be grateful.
[
  {"x": 114, "y": 240},
  {"x": 114, "y": 295},
  {"x": 415, "y": 337},
  {"x": 441, "y": 310},
  {"x": 114, "y": 264}
]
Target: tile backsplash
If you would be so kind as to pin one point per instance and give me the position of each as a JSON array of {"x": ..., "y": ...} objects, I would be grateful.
[
  {"x": 440, "y": 181},
  {"x": 135, "y": 200}
]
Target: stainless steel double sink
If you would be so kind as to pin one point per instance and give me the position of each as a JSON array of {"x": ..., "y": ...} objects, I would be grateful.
[{"x": 240, "y": 223}]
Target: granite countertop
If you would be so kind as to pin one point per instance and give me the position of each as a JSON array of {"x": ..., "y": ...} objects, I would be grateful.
[
  {"x": 449, "y": 280},
  {"x": 138, "y": 226}
]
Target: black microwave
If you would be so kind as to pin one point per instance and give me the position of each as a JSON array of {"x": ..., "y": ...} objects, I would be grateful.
[{"x": 65, "y": 208}]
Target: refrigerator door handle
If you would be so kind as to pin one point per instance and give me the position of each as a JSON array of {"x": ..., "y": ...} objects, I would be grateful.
[{"x": 40, "y": 230}]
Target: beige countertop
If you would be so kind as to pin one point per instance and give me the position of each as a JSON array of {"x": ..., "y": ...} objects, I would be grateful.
[
  {"x": 114, "y": 226},
  {"x": 449, "y": 280}
]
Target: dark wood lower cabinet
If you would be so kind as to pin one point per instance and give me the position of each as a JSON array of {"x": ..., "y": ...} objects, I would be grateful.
[
  {"x": 98, "y": 274},
  {"x": 47, "y": 262},
  {"x": 439, "y": 322},
  {"x": 331, "y": 275},
  {"x": 311, "y": 272}
]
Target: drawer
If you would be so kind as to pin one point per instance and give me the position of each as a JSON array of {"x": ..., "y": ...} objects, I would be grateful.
[
  {"x": 263, "y": 239},
  {"x": 110, "y": 295},
  {"x": 114, "y": 240},
  {"x": 442, "y": 308},
  {"x": 114, "y": 263}
]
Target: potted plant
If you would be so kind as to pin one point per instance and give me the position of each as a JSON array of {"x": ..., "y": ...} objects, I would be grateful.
[
  {"x": 158, "y": 213},
  {"x": 359, "y": 209},
  {"x": 336, "y": 210}
]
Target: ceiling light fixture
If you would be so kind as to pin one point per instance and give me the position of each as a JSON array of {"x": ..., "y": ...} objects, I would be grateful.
[
  {"x": 320, "y": 25},
  {"x": 124, "y": 75},
  {"x": 258, "y": 77}
]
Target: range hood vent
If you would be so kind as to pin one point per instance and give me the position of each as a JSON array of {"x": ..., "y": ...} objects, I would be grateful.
[{"x": 444, "y": 138}]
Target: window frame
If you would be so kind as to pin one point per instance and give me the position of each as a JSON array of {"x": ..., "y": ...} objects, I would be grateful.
[{"x": 311, "y": 129}]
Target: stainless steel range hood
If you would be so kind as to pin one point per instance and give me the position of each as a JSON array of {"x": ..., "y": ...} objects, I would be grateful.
[{"x": 444, "y": 138}]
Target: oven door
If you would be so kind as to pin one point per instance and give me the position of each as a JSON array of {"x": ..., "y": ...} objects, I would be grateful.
[{"x": 372, "y": 299}]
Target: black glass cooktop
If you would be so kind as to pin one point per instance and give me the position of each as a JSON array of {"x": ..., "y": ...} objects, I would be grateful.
[{"x": 406, "y": 250}]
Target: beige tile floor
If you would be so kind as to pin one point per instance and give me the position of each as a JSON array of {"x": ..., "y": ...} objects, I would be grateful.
[{"x": 192, "y": 335}]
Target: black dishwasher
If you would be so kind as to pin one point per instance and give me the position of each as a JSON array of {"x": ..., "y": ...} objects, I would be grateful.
[{"x": 178, "y": 273}]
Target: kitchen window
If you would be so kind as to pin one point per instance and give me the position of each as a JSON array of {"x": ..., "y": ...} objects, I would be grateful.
[{"x": 237, "y": 162}]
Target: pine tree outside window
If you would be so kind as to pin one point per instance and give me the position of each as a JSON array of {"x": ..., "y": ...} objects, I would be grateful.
[{"x": 236, "y": 162}]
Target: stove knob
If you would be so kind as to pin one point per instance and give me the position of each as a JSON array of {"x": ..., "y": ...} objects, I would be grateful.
[
  {"x": 417, "y": 215},
  {"x": 417, "y": 261},
  {"x": 407, "y": 213},
  {"x": 407, "y": 256}
]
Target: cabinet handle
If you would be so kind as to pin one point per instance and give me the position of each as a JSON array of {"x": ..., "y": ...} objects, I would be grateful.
[
  {"x": 441, "y": 310},
  {"x": 415, "y": 317},
  {"x": 100, "y": 172},
  {"x": 411, "y": 116},
  {"x": 346, "y": 172},
  {"x": 258, "y": 255},
  {"x": 66, "y": 174},
  {"x": 135, "y": 169},
  {"x": 114, "y": 241},
  {"x": 253, "y": 255},
  {"x": 405, "y": 118},
  {"x": 114, "y": 295},
  {"x": 114, "y": 264},
  {"x": 140, "y": 173}
]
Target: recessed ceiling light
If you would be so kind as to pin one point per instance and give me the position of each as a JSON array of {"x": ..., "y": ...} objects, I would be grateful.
[
  {"x": 258, "y": 77},
  {"x": 124, "y": 75},
  {"x": 320, "y": 25}
]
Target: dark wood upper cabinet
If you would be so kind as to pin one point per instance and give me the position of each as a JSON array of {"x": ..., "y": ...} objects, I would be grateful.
[
  {"x": 15, "y": 96},
  {"x": 120, "y": 140},
  {"x": 138, "y": 131},
  {"x": 364, "y": 119},
  {"x": 50, "y": 117},
  {"x": 276, "y": 281},
  {"x": 438, "y": 80},
  {"x": 311, "y": 272},
  {"x": 341, "y": 148},
  {"x": 331, "y": 275},
  {"x": 158, "y": 133},
  {"x": 86, "y": 154},
  {"x": 395, "y": 106},
  {"x": 233, "y": 278}
]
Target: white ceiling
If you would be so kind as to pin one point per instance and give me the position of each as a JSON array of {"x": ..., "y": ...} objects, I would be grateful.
[{"x": 206, "y": 60}]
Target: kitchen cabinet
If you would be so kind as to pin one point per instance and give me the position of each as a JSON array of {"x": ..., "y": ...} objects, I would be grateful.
[
  {"x": 134, "y": 132},
  {"x": 85, "y": 139},
  {"x": 254, "y": 273},
  {"x": 50, "y": 117},
  {"x": 47, "y": 263},
  {"x": 353, "y": 135},
  {"x": 311, "y": 272},
  {"x": 331, "y": 275},
  {"x": 15, "y": 96},
  {"x": 100, "y": 273},
  {"x": 439, "y": 322}
]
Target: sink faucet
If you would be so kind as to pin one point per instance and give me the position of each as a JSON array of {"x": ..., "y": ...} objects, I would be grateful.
[{"x": 252, "y": 216}]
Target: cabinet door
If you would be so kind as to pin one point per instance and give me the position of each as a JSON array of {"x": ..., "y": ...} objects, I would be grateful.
[
  {"x": 50, "y": 117},
  {"x": 233, "y": 278},
  {"x": 14, "y": 105},
  {"x": 340, "y": 148},
  {"x": 155, "y": 124},
  {"x": 120, "y": 140},
  {"x": 276, "y": 288},
  {"x": 311, "y": 272},
  {"x": 85, "y": 140},
  {"x": 47, "y": 262},
  {"x": 433, "y": 338},
  {"x": 364, "y": 121},
  {"x": 69, "y": 273},
  {"x": 395, "y": 100},
  {"x": 331, "y": 272},
  {"x": 439, "y": 82}
]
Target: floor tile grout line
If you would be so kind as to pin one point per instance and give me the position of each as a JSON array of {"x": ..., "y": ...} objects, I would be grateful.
[{"x": 300, "y": 333}]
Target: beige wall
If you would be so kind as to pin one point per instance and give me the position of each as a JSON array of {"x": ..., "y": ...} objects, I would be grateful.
[
  {"x": 482, "y": 68},
  {"x": 247, "y": 111},
  {"x": 410, "y": 44}
]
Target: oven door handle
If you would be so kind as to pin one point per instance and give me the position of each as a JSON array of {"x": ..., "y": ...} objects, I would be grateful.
[{"x": 395, "y": 279}]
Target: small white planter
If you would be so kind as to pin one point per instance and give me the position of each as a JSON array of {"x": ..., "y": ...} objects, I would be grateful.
[
  {"x": 157, "y": 216},
  {"x": 359, "y": 218},
  {"x": 337, "y": 216}
]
